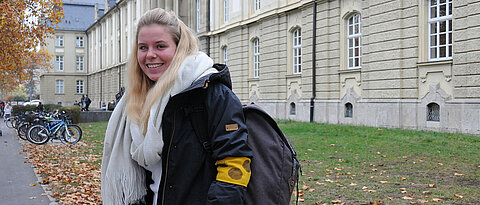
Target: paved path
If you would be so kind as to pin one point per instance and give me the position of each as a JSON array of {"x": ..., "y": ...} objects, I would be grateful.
[{"x": 16, "y": 176}]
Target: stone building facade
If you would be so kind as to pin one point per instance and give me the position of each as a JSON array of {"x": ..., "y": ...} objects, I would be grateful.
[
  {"x": 68, "y": 81},
  {"x": 410, "y": 64}
]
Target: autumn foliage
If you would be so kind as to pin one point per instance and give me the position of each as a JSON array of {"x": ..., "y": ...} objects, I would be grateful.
[{"x": 25, "y": 25}]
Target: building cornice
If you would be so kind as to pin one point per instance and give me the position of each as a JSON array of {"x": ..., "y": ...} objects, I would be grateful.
[{"x": 257, "y": 18}]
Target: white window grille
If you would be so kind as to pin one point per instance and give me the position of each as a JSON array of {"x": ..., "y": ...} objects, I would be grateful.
[
  {"x": 256, "y": 58},
  {"x": 59, "y": 86},
  {"x": 79, "y": 86},
  {"x": 433, "y": 112},
  {"x": 226, "y": 14},
  {"x": 225, "y": 55},
  {"x": 59, "y": 41},
  {"x": 354, "y": 41},
  {"x": 59, "y": 63},
  {"x": 79, "y": 63},
  {"x": 349, "y": 110},
  {"x": 256, "y": 5},
  {"x": 297, "y": 51},
  {"x": 198, "y": 16},
  {"x": 293, "y": 110},
  {"x": 440, "y": 29},
  {"x": 79, "y": 42}
]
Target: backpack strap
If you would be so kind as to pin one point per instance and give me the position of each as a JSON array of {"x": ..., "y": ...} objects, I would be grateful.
[{"x": 197, "y": 114}]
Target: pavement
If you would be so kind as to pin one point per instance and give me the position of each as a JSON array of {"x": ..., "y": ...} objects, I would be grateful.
[{"x": 19, "y": 185}]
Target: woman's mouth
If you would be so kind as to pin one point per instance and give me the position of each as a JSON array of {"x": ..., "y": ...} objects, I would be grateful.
[{"x": 154, "y": 65}]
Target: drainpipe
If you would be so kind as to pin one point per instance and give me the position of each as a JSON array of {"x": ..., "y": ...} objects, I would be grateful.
[
  {"x": 208, "y": 27},
  {"x": 314, "y": 67},
  {"x": 87, "y": 61},
  {"x": 101, "y": 74},
  {"x": 119, "y": 48}
]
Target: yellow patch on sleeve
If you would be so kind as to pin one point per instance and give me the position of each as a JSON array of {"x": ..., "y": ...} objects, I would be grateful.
[
  {"x": 231, "y": 127},
  {"x": 234, "y": 170}
]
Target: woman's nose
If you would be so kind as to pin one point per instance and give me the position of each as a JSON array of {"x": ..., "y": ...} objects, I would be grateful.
[{"x": 151, "y": 54}]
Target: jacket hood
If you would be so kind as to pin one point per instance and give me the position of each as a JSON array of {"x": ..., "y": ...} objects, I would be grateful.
[{"x": 223, "y": 76}]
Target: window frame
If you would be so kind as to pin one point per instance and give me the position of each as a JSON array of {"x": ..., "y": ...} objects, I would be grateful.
[
  {"x": 356, "y": 39},
  {"x": 79, "y": 42},
  {"x": 59, "y": 63},
  {"x": 59, "y": 42},
  {"x": 198, "y": 15},
  {"x": 297, "y": 51},
  {"x": 348, "y": 110},
  {"x": 256, "y": 6},
  {"x": 79, "y": 86},
  {"x": 79, "y": 63},
  {"x": 433, "y": 112},
  {"x": 438, "y": 20},
  {"x": 59, "y": 86},
  {"x": 226, "y": 13},
  {"x": 225, "y": 55},
  {"x": 256, "y": 57}
]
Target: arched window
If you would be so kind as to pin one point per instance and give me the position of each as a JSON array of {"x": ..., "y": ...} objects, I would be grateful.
[
  {"x": 433, "y": 112},
  {"x": 349, "y": 110},
  {"x": 354, "y": 35},
  {"x": 293, "y": 110},
  {"x": 297, "y": 51},
  {"x": 256, "y": 58},
  {"x": 225, "y": 55}
]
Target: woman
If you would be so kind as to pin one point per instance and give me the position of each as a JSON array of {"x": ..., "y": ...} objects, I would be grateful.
[{"x": 151, "y": 153}]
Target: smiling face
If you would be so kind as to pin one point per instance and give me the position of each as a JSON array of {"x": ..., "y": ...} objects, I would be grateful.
[{"x": 156, "y": 49}]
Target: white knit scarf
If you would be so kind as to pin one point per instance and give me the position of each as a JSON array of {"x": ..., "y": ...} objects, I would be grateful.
[{"x": 127, "y": 150}]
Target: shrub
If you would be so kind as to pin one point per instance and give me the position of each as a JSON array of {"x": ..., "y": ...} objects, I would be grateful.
[
  {"x": 73, "y": 112},
  {"x": 51, "y": 107},
  {"x": 20, "y": 109}
]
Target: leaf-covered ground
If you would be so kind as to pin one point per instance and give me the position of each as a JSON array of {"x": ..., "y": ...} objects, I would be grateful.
[{"x": 72, "y": 173}]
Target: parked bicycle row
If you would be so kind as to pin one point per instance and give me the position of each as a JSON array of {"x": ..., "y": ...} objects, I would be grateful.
[{"x": 39, "y": 128}]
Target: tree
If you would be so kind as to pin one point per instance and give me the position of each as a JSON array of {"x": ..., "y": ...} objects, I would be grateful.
[{"x": 24, "y": 25}]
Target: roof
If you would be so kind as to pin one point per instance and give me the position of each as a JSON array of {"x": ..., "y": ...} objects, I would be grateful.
[{"x": 80, "y": 14}]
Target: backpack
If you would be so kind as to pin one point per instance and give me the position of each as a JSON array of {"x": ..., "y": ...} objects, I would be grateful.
[{"x": 275, "y": 167}]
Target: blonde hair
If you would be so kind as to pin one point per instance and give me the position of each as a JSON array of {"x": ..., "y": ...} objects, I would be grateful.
[{"x": 142, "y": 92}]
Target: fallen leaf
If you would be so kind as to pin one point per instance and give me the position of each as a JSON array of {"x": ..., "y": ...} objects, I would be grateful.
[
  {"x": 305, "y": 187},
  {"x": 33, "y": 184},
  {"x": 32, "y": 197},
  {"x": 422, "y": 201},
  {"x": 336, "y": 201},
  {"x": 301, "y": 200},
  {"x": 441, "y": 164},
  {"x": 353, "y": 184},
  {"x": 431, "y": 185},
  {"x": 436, "y": 200},
  {"x": 457, "y": 174},
  {"x": 457, "y": 196},
  {"x": 407, "y": 198},
  {"x": 383, "y": 182},
  {"x": 318, "y": 202},
  {"x": 403, "y": 178}
]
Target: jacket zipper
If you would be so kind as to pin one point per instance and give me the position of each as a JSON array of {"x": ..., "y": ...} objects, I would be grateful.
[{"x": 168, "y": 157}]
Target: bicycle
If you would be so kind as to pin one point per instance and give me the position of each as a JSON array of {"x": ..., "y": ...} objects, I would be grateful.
[{"x": 50, "y": 129}]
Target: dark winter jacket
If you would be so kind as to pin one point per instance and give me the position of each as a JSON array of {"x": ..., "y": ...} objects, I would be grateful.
[{"x": 189, "y": 171}]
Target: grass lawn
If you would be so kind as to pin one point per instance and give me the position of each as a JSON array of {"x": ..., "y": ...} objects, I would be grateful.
[{"x": 366, "y": 165}]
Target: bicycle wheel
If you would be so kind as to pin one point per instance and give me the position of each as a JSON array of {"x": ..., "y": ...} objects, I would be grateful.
[
  {"x": 72, "y": 135},
  {"x": 22, "y": 131},
  {"x": 9, "y": 123},
  {"x": 37, "y": 134}
]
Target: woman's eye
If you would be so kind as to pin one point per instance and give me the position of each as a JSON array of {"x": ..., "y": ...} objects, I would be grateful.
[
  {"x": 142, "y": 48},
  {"x": 160, "y": 46}
]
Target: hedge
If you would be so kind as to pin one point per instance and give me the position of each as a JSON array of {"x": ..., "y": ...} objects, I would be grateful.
[{"x": 72, "y": 111}]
